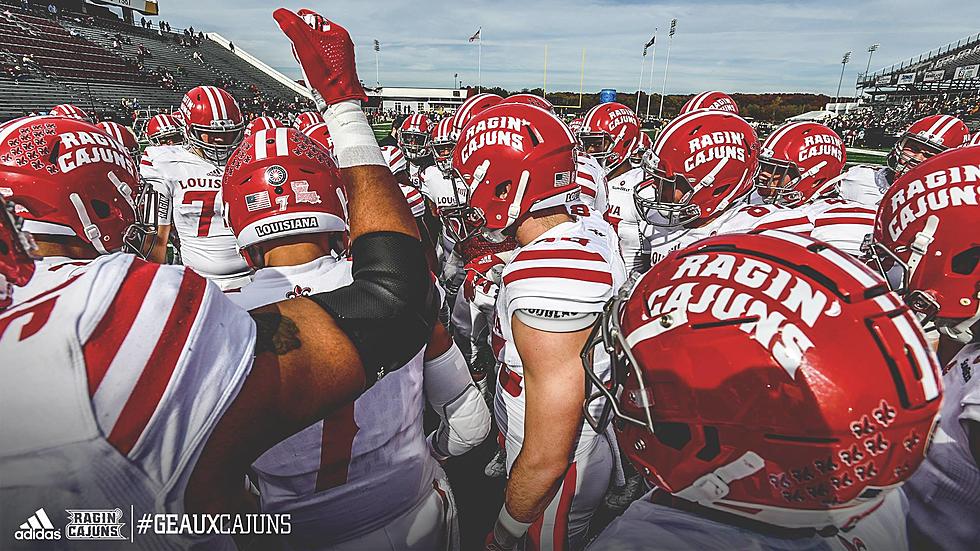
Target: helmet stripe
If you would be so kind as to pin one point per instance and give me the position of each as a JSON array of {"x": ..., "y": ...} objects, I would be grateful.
[
  {"x": 211, "y": 102},
  {"x": 282, "y": 143},
  {"x": 262, "y": 148},
  {"x": 779, "y": 134},
  {"x": 677, "y": 123}
]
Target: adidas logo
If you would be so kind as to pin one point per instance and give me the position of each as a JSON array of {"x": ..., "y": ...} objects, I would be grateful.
[{"x": 37, "y": 527}]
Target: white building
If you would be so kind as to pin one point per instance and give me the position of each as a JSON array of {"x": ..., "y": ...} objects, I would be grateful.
[{"x": 416, "y": 100}]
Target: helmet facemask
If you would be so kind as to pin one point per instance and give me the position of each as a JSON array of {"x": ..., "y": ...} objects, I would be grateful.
[
  {"x": 415, "y": 145},
  {"x": 599, "y": 146},
  {"x": 664, "y": 201},
  {"x": 141, "y": 237},
  {"x": 442, "y": 154},
  {"x": 904, "y": 156},
  {"x": 776, "y": 182},
  {"x": 228, "y": 132}
]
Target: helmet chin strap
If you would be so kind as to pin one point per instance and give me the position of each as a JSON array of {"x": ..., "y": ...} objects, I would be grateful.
[
  {"x": 514, "y": 211},
  {"x": 714, "y": 485},
  {"x": 920, "y": 245},
  {"x": 962, "y": 331},
  {"x": 92, "y": 231}
]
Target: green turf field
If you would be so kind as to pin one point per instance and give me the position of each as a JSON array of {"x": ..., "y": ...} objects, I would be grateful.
[{"x": 381, "y": 130}]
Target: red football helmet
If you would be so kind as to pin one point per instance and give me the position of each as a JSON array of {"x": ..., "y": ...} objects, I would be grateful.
[
  {"x": 643, "y": 145},
  {"x": 442, "y": 143},
  {"x": 798, "y": 162},
  {"x": 922, "y": 232},
  {"x": 513, "y": 159},
  {"x": 767, "y": 376},
  {"x": 701, "y": 163},
  {"x": 719, "y": 101},
  {"x": 70, "y": 111},
  {"x": 576, "y": 125},
  {"x": 280, "y": 183},
  {"x": 213, "y": 121},
  {"x": 262, "y": 123},
  {"x": 164, "y": 130},
  {"x": 473, "y": 106},
  {"x": 413, "y": 136},
  {"x": 610, "y": 133},
  {"x": 925, "y": 138},
  {"x": 320, "y": 134},
  {"x": 974, "y": 140},
  {"x": 16, "y": 253},
  {"x": 307, "y": 119},
  {"x": 67, "y": 177},
  {"x": 530, "y": 99},
  {"x": 123, "y": 136}
]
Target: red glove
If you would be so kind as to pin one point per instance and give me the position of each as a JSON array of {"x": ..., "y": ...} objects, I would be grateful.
[
  {"x": 490, "y": 544},
  {"x": 325, "y": 54},
  {"x": 477, "y": 275}
]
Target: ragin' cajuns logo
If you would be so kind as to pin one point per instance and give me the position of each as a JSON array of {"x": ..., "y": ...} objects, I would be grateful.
[
  {"x": 724, "y": 104},
  {"x": 953, "y": 187},
  {"x": 818, "y": 145},
  {"x": 503, "y": 131},
  {"x": 715, "y": 146},
  {"x": 80, "y": 148},
  {"x": 778, "y": 316}
]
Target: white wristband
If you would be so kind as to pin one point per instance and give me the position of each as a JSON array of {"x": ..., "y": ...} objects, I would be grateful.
[
  {"x": 354, "y": 143},
  {"x": 507, "y": 531}
]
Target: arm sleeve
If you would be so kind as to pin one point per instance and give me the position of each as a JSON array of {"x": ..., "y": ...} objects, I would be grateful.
[{"x": 464, "y": 415}]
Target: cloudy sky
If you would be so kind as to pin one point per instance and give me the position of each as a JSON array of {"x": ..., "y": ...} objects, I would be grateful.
[{"x": 735, "y": 46}]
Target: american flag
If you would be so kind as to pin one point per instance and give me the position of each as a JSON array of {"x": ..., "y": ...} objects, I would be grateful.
[
  {"x": 476, "y": 35},
  {"x": 648, "y": 44},
  {"x": 257, "y": 201}
]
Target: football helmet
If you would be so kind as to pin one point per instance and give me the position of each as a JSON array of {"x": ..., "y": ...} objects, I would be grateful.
[
  {"x": 413, "y": 136},
  {"x": 123, "y": 136},
  {"x": 974, "y": 140},
  {"x": 530, "y": 99},
  {"x": 281, "y": 183},
  {"x": 644, "y": 145},
  {"x": 164, "y": 130},
  {"x": 701, "y": 163},
  {"x": 922, "y": 240},
  {"x": 926, "y": 137},
  {"x": 473, "y": 106},
  {"x": 262, "y": 123},
  {"x": 213, "y": 121},
  {"x": 320, "y": 134},
  {"x": 576, "y": 125},
  {"x": 513, "y": 159},
  {"x": 67, "y": 177},
  {"x": 768, "y": 376},
  {"x": 16, "y": 253},
  {"x": 719, "y": 101},
  {"x": 610, "y": 133},
  {"x": 442, "y": 143},
  {"x": 307, "y": 119},
  {"x": 799, "y": 162},
  {"x": 70, "y": 111}
]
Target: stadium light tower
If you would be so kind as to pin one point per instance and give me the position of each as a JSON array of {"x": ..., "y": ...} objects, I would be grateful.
[
  {"x": 843, "y": 63},
  {"x": 871, "y": 51}
]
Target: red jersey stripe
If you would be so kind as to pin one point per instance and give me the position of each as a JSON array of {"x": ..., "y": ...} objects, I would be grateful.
[
  {"x": 101, "y": 347},
  {"x": 844, "y": 220},
  {"x": 576, "y": 274},
  {"x": 588, "y": 191},
  {"x": 585, "y": 175},
  {"x": 850, "y": 210},
  {"x": 153, "y": 381},
  {"x": 779, "y": 224},
  {"x": 559, "y": 254}
]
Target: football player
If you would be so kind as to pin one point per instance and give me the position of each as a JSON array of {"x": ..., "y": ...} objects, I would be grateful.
[
  {"x": 610, "y": 133},
  {"x": 413, "y": 139},
  {"x": 922, "y": 240},
  {"x": 262, "y": 123},
  {"x": 521, "y": 184},
  {"x": 799, "y": 168},
  {"x": 924, "y": 138},
  {"x": 700, "y": 172},
  {"x": 138, "y": 383},
  {"x": 772, "y": 391},
  {"x": 70, "y": 111},
  {"x": 164, "y": 129},
  {"x": 187, "y": 180},
  {"x": 329, "y": 475}
]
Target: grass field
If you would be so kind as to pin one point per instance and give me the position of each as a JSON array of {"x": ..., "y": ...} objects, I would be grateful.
[{"x": 381, "y": 130}]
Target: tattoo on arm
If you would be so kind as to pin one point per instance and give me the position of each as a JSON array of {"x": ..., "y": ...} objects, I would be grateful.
[{"x": 275, "y": 333}]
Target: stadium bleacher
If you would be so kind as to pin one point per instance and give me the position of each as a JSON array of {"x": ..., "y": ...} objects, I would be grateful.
[{"x": 114, "y": 69}]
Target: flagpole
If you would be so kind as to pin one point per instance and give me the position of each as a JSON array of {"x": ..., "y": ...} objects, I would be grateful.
[
  {"x": 479, "y": 64},
  {"x": 544, "y": 88},
  {"x": 670, "y": 40},
  {"x": 653, "y": 61},
  {"x": 639, "y": 87}
]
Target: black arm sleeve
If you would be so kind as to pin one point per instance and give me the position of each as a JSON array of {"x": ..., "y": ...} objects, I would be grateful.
[{"x": 389, "y": 309}]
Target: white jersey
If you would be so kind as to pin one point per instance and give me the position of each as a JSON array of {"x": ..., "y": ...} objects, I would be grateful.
[
  {"x": 591, "y": 178},
  {"x": 662, "y": 241},
  {"x": 648, "y": 526},
  {"x": 364, "y": 466},
  {"x": 115, "y": 372},
  {"x": 569, "y": 272},
  {"x": 190, "y": 201},
  {"x": 416, "y": 203},
  {"x": 839, "y": 222},
  {"x": 944, "y": 494},
  {"x": 865, "y": 184},
  {"x": 625, "y": 219}
]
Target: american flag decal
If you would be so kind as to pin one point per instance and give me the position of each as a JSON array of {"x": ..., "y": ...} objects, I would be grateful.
[
  {"x": 257, "y": 201},
  {"x": 563, "y": 179}
]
